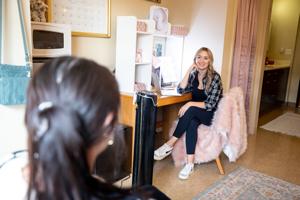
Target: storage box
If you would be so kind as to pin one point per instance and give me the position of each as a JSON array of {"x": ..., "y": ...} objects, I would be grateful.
[
  {"x": 141, "y": 26},
  {"x": 13, "y": 84},
  {"x": 179, "y": 30}
]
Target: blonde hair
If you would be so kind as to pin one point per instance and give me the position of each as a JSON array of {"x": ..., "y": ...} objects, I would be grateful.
[{"x": 210, "y": 70}]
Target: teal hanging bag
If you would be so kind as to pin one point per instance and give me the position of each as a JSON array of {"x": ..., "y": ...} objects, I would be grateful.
[{"x": 14, "y": 79}]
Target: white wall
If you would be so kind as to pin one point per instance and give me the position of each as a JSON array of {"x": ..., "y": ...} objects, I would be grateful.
[
  {"x": 13, "y": 52},
  {"x": 1, "y": 28},
  {"x": 207, "y": 27},
  {"x": 12, "y": 130},
  {"x": 13, "y": 135}
]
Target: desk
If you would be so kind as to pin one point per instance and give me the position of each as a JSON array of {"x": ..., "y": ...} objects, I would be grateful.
[{"x": 169, "y": 104}]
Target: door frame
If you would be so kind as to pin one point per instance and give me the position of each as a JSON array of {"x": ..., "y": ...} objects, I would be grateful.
[
  {"x": 264, "y": 18},
  {"x": 292, "y": 66}
]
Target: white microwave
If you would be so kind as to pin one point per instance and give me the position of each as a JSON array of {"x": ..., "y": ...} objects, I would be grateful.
[{"x": 50, "y": 40}]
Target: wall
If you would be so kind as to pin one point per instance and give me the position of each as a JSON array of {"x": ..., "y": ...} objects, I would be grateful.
[
  {"x": 295, "y": 71},
  {"x": 102, "y": 50},
  {"x": 13, "y": 50},
  {"x": 284, "y": 22},
  {"x": 12, "y": 132},
  {"x": 1, "y": 24},
  {"x": 206, "y": 19}
]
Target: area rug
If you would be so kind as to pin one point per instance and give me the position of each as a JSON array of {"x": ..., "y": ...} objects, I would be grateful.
[
  {"x": 244, "y": 184},
  {"x": 288, "y": 123}
]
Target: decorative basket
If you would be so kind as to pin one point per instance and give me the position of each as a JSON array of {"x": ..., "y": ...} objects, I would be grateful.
[
  {"x": 141, "y": 26},
  {"x": 179, "y": 30}
]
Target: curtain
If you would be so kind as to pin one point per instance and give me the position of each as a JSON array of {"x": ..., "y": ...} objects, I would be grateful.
[{"x": 244, "y": 48}]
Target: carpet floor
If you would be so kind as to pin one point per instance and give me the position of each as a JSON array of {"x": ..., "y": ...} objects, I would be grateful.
[
  {"x": 244, "y": 183},
  {"x": 287, "y": 123}
]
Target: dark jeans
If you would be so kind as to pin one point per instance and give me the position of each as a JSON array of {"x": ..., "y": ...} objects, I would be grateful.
[{"x": 189, "y": 123}]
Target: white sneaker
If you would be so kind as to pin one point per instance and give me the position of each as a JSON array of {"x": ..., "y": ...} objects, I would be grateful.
[
  {"x": 186, "y": 171},
  {"x": 162, "y": 152}
]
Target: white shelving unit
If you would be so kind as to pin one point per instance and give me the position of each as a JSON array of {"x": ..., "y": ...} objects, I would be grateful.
[{"x": 129, "y": 40}]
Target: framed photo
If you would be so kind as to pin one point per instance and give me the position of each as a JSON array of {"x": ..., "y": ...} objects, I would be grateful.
[
  {"x": 160, "y": 16},
  {"x": 159, "y": 45},
  {"x": 156, "y": 1},
  {"x": 88, "y": 18}
]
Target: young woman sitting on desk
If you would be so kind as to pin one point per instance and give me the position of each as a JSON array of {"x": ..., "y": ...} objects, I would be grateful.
[
  {"x": 206, "y": 86},
  {"x": 72, "y": 108}
]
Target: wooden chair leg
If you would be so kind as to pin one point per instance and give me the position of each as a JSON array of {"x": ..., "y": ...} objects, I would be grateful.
[{"x": 220, "y": 167}]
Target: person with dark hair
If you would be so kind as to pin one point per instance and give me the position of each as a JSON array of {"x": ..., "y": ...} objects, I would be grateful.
[
  {"x": 72, "y": 109},
  {"x": 206, "y": 86}
]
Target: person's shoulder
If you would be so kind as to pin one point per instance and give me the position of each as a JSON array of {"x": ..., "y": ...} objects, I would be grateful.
[{"x": 216, "y": 75}]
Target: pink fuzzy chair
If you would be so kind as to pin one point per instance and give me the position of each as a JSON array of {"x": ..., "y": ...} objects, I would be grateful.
[{"x": 228, "y": 133}]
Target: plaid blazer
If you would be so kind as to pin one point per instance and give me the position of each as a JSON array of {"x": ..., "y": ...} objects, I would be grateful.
[{"x": 214, "y": 92}]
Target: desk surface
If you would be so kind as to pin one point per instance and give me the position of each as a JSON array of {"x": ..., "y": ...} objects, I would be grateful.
[
  {"x": 127, "y": 112},
  {"x": 168, "y": 100},
  {"x": 162, "y": 100}
]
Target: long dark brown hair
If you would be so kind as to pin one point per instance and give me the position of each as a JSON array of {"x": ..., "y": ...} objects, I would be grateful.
[{"x": 68, "y": 100}]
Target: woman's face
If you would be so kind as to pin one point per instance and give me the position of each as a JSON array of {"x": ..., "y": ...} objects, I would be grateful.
[{"x": 202, "y": 61}]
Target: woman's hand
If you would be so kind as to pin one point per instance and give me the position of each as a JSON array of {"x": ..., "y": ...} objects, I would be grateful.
[
  {"x": 192, "y": 67},
  {"x": 183, "y": 84},
  {"x": 183, "y": 109}
]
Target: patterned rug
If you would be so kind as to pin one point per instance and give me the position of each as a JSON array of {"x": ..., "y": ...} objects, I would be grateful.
[
  {"x": 247, "y": 184},
  {"x": 288, "y": 123}
]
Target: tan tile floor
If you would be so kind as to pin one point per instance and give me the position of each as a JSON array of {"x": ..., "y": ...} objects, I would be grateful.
[{"x": 271, "y": 153}]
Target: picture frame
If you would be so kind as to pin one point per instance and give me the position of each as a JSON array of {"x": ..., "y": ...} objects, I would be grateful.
[
  {"x": 159, "y": 45},
  {"x": 156, "y": 1},
  {"x": 88, "y": 18},
  {"x": 160, "y": 16}
]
